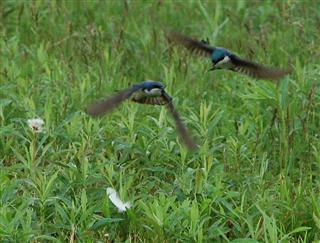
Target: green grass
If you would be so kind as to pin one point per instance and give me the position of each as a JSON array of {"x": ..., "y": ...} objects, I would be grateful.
[{"x": 255, "y": 177}]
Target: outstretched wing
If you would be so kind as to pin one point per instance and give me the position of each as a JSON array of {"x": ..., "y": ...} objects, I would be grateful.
[
  {"x": 182, "y": 131},
  {"x": 110, "y": 103},
  {"x": 256, "y": 70},
  {"x": 195, "y": 46}
]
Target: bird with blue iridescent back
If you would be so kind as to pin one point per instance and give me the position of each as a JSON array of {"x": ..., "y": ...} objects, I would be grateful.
[
  {"x": 147, "y": 92},
  {"x": 222, "y": 58}
]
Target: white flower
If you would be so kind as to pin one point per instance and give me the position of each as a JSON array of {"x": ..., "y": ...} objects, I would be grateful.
[
  {"x": 112, "y": 194},
  {"x": 36, "y": 125}
]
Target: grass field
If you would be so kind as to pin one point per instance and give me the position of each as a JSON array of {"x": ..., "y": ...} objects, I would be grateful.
[{"x": 256, "y": 175}]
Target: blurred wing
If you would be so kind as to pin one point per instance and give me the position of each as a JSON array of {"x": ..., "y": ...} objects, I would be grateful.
[
  {"x": 110, "y": 103},
  {"x": 155, "y": 100},
  {"x": 256, "y": 70},
  {"x": 195, "y": 46},
  {"x": 182, "y": 131}
]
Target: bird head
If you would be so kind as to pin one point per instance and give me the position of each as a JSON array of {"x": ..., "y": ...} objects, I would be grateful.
[
  {"x": 152, "y": 87},
  {"x": 220, "y": 57}
]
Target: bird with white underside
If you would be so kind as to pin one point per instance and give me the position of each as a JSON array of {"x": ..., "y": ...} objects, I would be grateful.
[
  {"x": 147, "y": 92},
  {"x": 224, "y": 59}
]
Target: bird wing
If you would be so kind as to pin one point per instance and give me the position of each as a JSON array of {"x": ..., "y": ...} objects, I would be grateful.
[
  {"x": 150, "y": 100},
  {"x": 110, "y": 103},
  {"x": 182, "y": 131},
  {"x": 195, "y": 46},
  {"x": 256, "y": 70}
]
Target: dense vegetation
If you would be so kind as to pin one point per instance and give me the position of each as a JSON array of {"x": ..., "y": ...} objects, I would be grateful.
[{"x": 255, "y": 177}]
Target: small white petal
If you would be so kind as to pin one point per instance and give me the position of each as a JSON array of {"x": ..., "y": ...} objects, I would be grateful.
[
  {"x": 36, "y": 125},
  {"x": 122, "y": 206}
]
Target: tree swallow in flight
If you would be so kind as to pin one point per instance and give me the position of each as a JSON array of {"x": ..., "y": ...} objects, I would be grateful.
[
  {"x": 224, "y": 59},
  {"x": 147, "y": 92}
]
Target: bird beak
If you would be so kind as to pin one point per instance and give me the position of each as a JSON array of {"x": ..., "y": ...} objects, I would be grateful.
[{"x": 213, "y": 68}]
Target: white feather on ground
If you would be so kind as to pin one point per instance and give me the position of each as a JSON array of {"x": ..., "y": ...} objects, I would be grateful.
[{"x": 113, "y": 196}]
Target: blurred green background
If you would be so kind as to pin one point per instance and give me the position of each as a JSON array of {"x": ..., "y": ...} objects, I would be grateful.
[{"x": 255, "y": 177}]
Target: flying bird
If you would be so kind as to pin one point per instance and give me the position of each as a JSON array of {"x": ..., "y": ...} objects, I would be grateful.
[
  {"x": 224, "y": 59},
  {"x": 147, "y": 92}
]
